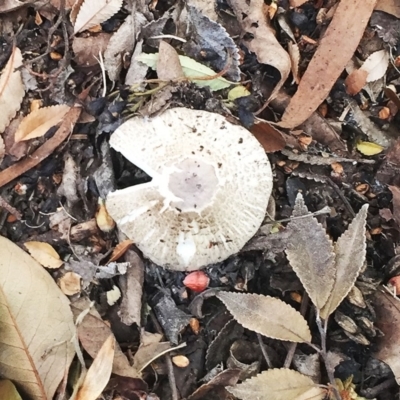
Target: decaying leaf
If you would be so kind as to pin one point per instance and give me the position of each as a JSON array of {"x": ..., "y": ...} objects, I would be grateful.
[
  {"x": 38, "y": 122},
  {"x": 389, "y": 6},
  {"x": 121, "y": 41},
  {"x": 95, "y": 12},
  {"x": 269, "y": 137},
  {"x": 356, "y": 81},
  {"x": 37, "y": 326},
  {"x": 99, "y": 372},
  {"x": 10, "y": 5},
  {"x": 350, "y": 252},
  {"x": 12, "y": 89},
  {"x": 261, "y": 38},
  {"x": 310, "y": 253},
  {"x": 368, "y": 148},
  {"x": 388, "y": 321},
  {"x": 168, "y": 65},
  {"x": 267, "y": 315},
  {"x": 278, "y": 384},
  {"x": 191, "y": 69},
  {"x": 120, "y": 250},
  {"x": 92, "y": 333},
  {"x": 344, "y": 32},
  {"x": 87, "y": 49},
  {"x": 44, "y": 254}
]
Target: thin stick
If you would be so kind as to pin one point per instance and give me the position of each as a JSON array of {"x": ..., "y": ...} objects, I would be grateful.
[{"x": 264, "y": 351}]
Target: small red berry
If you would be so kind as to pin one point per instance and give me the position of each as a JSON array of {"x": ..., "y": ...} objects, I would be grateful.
[{"x": 197, "y": 281}]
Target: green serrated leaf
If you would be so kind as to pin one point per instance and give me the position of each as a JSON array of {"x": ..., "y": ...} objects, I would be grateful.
[
  {"x": 238, "y": 91},
  {"x": 191, "y": 69}
]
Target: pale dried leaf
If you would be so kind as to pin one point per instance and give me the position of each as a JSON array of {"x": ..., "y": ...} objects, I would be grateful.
[
  {"x": 70, "y": 283},
  {"x": 99, "y": 372},
  {"x": 389, "y": 6},
  {"x": 344, "y": 32},
  {"x": 38, "y": 122},
  {"x": 294, "y": 53},
  {"x": 278, "y": 384},
  {"x": 350, "y": 251},
  {"x": 168, "y": 65},
  {"x": 75, "y": 10},
  {"x": 376, "y": 65},
  {"x": 12, "y": 89},
  {"x": 10, "y": 5},
  {"x": 121, "y": 42},
  {"x": 147, "y": 353},
  {"x": 2, "y": 149},
  {"x": 44, "y": 254},
  {"x": 297, "y": 3},
  {"x": 93, "y": 331},
  {"x": 262, "y": 40},
  {"x": 310, "y": 253},
  {"x": 268, "y": 316},
  {"x": 37, "y": 324},
  {"x": 95, "y": 12}
]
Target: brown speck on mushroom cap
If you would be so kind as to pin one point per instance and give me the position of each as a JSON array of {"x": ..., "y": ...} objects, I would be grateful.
[{"x": 201, "y": 206}]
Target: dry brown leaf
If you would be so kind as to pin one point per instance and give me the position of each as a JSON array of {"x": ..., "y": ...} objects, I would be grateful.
[
  {"x": 120, "y": 250},
  {"x": 10, "y": 5},
  {"x": 12, "y": 89},
  {"x": 267, "y": 315},
  {"x": 57, "y": 3},
  {"x": 269, "y": 137},
  {"x": 344, "y": 33},
  {"x": 278, "y": 384},
  {"x": 262, "y": 40},
  {"x": 310, "y": 253},
  {"x": 389, "y": 6},
  {"x": 94, "y": 12},
  {"x": 388, "y": 321},
  {"x": 297, "y": 3},
  {"x": 44, "y": 254},
  {"x": 168, "y": 65},
  {"x": 120, "y": 42},
  {"x": 149, "y": 351},
  {"x": 395, "y": 203},
  {"x": 37, "y": 324},
  {"x": 92, "y": 333},
  {"x": 99, "y": 373},
  {"x": 75, "y": 10},
  {"x": 87, "y": 49},
  {"x": 356, "y": 81},
  {"x": 38, "y": 122},
  {"x": 350, "y": 252},
  {"x": 70, "y": 283}
]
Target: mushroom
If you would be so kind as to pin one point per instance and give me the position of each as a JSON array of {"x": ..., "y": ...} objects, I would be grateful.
[{"x": 211, "y": 181}]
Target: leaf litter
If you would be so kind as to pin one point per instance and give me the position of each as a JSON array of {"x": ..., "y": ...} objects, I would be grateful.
[{"x": 311, "y": 272}]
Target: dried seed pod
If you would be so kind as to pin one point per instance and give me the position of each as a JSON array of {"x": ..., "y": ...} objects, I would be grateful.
[
  {"x": 358, "y": 338},
  {"x": 356, "y": 297},
  {"x": 367, "y": 326},
  {"x": 346, "y": 323}
]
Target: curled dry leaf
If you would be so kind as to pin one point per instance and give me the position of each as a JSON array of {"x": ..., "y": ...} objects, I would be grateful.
[
  {"x": 262, "y": 40},
  {"x": 44, "y": 254},
  {"x": 38, "y": 122},
  {"x": 388, "y": 321},
  {"x": 350, "y": 252},
  {"x": 268, "y": 316},
  {"x": 310, "y": 253},
  {"x": 99, "y": 372},
  {"x": 95, "y": 12},
  {"x": 12, "y": 89},
  {"x": 70, "y": 283},
  {"x": 278, "y": 384},
  {"x": 37, "y": 324},
  {"x": 344, "y": 32}
]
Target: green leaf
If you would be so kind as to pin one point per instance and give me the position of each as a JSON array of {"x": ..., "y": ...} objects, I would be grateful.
[
  {"x": 238, "y": 91},
  {"x": 191, "y": 69},
  {"x": 8, "y": 391}
]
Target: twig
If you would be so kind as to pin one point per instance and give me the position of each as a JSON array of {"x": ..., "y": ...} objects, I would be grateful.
[
  {"x": 171, "y": 377},
  {"x": 292, "y": 347},
  {"x": 10, "y": 209},
  {"x": 264, "y": 351}
]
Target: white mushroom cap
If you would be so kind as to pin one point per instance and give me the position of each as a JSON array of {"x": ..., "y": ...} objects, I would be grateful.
[{"x": 209, "y": 193}]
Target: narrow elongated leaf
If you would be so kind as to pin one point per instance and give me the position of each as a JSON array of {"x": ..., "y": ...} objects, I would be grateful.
[
  {"x": 99, "y": 372},
  {"x": 278, "y": 384},
  {"x": 350, "y": 250},
  {"x": 38, "y": 122},
  {"x": 191, "y": 69},
  {"x": 310, "y": 253},
  {"x": 268, "y": 316},
  {"x": 36, "y": 324},
  {"x": 11, "y": 89},
  {"x": 94, "y": 12}
]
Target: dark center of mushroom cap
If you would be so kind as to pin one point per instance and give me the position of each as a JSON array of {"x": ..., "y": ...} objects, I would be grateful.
[{"x": 194, "y": 182}]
